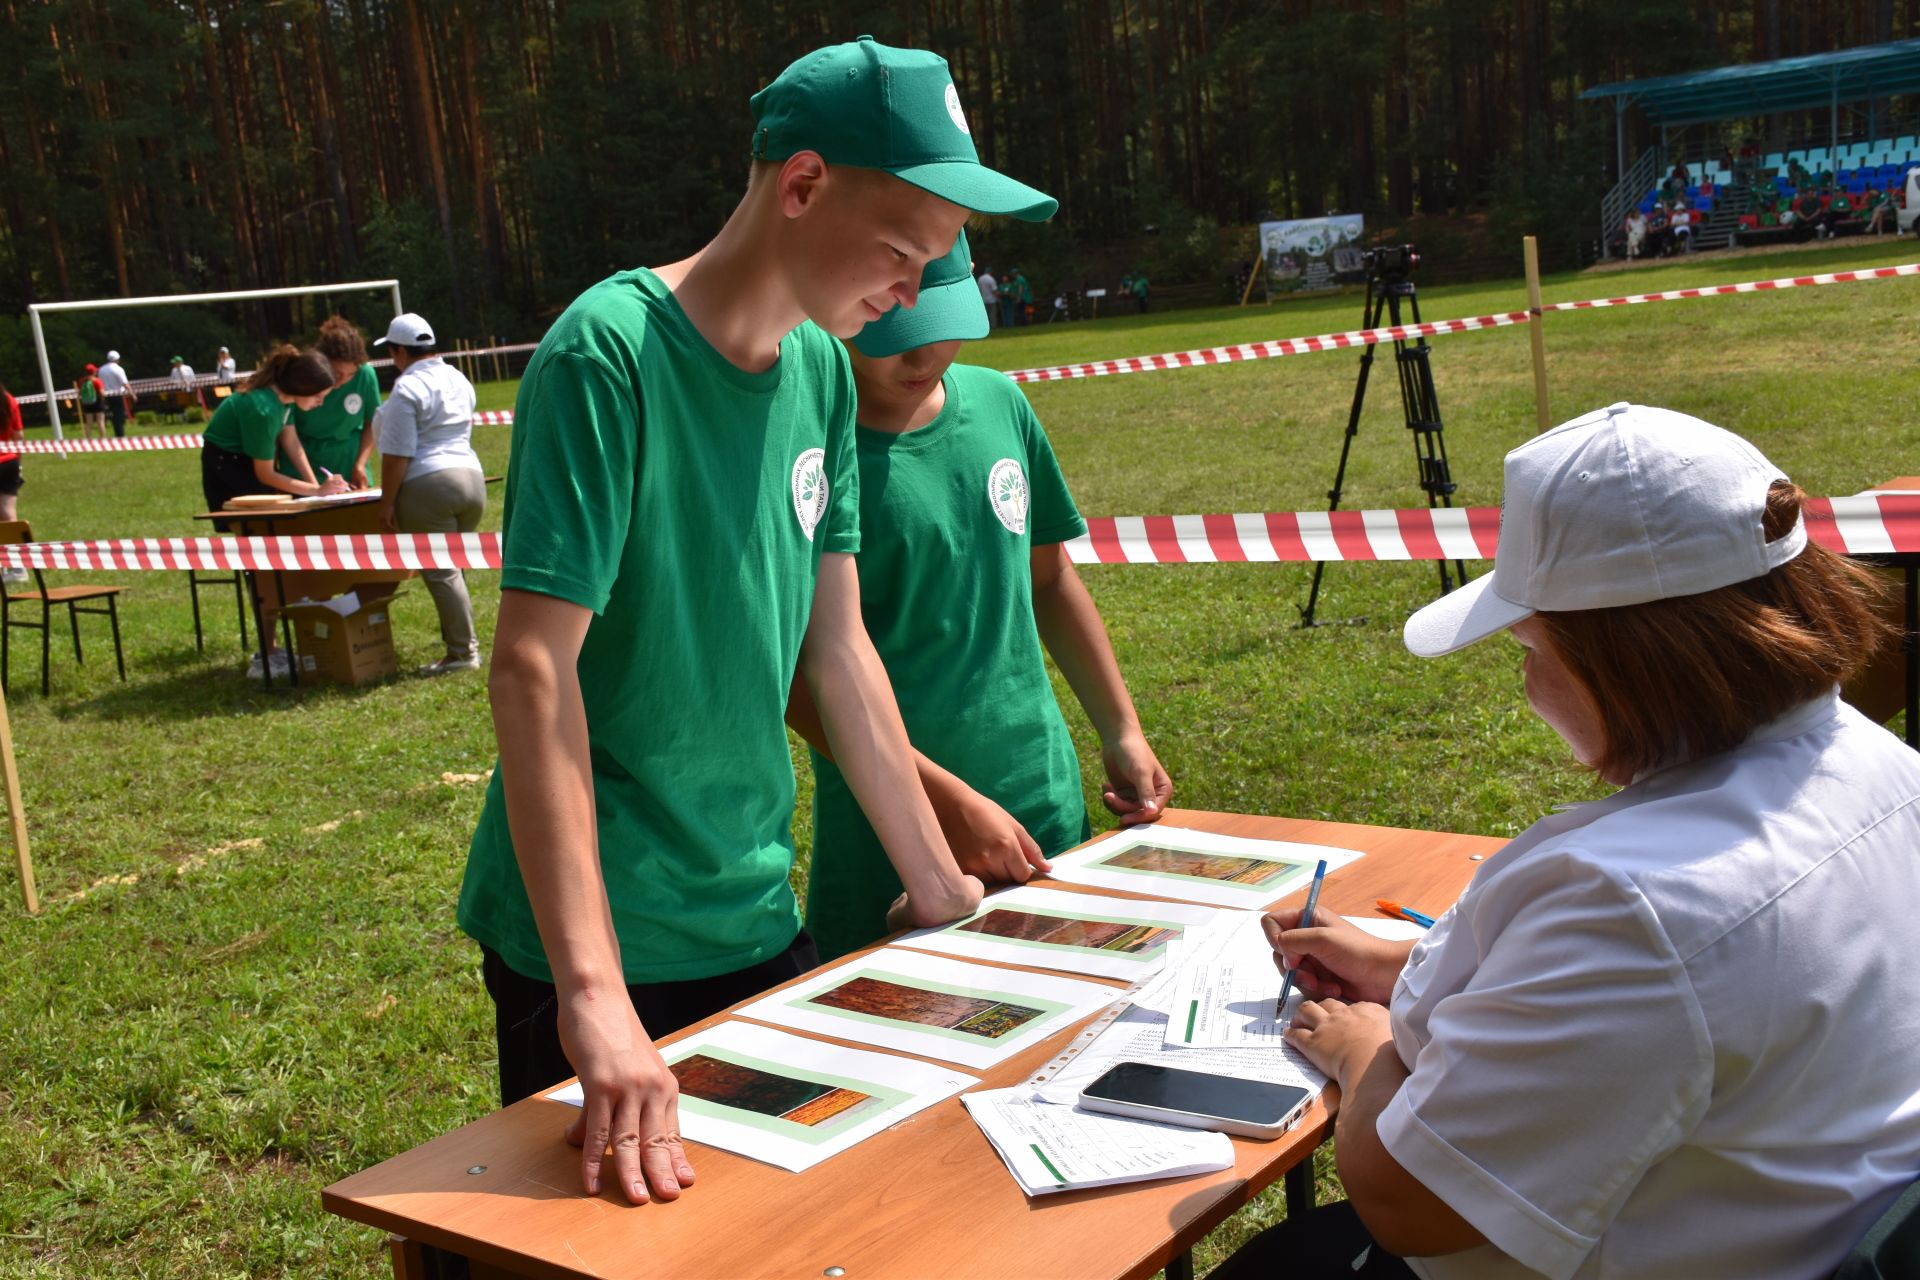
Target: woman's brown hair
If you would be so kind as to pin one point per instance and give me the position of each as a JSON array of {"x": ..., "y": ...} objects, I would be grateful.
[
  {"x": 1690, "y": 676},
  {"x": 341, "y": 341},
  {"x": 297, "y": 373}
]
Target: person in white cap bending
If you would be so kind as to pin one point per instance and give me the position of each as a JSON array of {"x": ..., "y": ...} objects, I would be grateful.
[
  {"x": 1672, "y": 1032},
  {"x": 430, "y": 478}
]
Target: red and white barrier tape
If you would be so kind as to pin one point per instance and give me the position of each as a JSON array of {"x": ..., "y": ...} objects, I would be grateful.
[
  {"x": 138, "y": 444},
  {"x": 117, "y": 444},
  {"x": 1750, "y": 286},
  {"x": 385, "y": 551},
  {"x": 1397, "y": 333},
  {"x": 1869, "y": 524}
]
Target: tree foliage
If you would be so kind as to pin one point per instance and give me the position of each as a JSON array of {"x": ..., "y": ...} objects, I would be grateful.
[{"x": 499, "y": 155}]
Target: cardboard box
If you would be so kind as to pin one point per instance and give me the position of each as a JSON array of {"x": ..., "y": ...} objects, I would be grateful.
[{"x": 348, "y": 640}]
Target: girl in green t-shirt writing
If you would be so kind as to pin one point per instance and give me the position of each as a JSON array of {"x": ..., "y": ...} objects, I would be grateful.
[
  {"x": 237, "y": 454},
  {"x": 964, "y": 577}
]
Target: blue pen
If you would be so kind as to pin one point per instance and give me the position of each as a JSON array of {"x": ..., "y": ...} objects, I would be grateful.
[
  {"x": 1306, "y": 922},
  {"x": 1393, "y": 908}
]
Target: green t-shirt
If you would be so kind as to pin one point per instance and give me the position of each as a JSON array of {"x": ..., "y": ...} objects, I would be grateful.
[
  {"x": 248, "y": 423},
  {"x": 1841, "y": 205},
  {"x": 949, "y": 515},
  {"x": 331, "y": 433},
  {"x": 687, "y": 504}
]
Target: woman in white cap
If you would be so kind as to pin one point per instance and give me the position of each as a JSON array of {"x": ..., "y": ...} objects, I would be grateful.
[
  {"x": 1670, "y": 1033},
  {"x": 430, "y": 478}
]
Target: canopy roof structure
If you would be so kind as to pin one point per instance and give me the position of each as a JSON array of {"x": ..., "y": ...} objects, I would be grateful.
[{"x": 1764, "y": 88}]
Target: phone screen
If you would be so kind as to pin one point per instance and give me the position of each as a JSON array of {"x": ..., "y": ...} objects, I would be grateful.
[{"x": 1196, "y": 1092}]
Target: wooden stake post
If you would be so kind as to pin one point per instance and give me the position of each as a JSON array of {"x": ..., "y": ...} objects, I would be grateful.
[
  {"x": 15, "y": 812},
  {"x": 1531, "y": 248}
]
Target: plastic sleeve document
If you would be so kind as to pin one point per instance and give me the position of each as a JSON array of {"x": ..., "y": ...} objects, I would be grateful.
[
  {"x": 1197, "y": 866},
  {"x": 1051, "y": 1148}
]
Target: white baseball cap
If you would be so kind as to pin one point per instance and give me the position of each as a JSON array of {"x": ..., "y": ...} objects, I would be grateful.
[
  {"x": 1620, "y": 506},
  {"x": 112, "y": 356},
  {"x": 407, "y": 330}
]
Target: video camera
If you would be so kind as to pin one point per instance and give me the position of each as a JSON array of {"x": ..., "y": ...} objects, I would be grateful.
[{"x": 1391, "y": 262}]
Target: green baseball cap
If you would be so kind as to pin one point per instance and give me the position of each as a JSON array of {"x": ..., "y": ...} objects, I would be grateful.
[
  {"x": 872, "y": 106},
  {"x": 949, "y": 308}
]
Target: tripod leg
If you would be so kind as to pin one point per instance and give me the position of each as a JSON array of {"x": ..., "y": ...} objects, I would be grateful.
[{"x": 1370, "y": 319}]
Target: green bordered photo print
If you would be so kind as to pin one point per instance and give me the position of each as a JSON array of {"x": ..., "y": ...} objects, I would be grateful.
[
  {"x": 905, "y": 1000},
  {"x": 1078, "y": 932},
  {"x": 790, "y": 1100},
  {"x": 1198, "y": 866}
]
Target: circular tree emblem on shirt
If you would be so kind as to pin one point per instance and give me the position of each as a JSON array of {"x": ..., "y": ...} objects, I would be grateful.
[
  {"x": 1007, "y": 491},
  {"x": 810, "y": 489},
  {"x": 352, "y": 403},
  {"x": 953, "y": 109}
]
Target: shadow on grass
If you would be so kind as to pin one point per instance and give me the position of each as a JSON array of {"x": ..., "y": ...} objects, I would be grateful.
[{"x": 192, "y": 686}]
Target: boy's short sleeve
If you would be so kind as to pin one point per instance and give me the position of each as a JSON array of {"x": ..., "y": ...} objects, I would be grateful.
[
  {"x": 576, "y": 453},
  {"x": 1051, "y": 514},
  {"x": 841, "y": 526},
  {"x": 398, "y": 425}
]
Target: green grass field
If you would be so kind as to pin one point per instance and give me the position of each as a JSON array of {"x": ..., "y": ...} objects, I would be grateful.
[{"x": 247, "y": 982}]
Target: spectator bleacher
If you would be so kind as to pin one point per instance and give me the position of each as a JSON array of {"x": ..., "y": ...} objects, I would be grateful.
[{"x": 1855, "y": 168}]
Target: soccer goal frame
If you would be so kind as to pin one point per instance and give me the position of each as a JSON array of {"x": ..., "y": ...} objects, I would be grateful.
[{"x": 169, "y": 300}]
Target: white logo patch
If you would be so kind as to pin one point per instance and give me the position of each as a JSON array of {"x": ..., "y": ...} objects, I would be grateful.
[
  {"x": 352, "y": 403},
  {"x": 810, "y": 489},
  {"x": 953, "y": 109},
  {"x": 1007, "y": 491}
]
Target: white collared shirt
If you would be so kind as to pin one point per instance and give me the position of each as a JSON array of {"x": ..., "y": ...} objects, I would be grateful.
[
  {"x": 113, "y": 378},
  {"x": 429, "y": 417},
  {"x": 1674, "y": 1033}
]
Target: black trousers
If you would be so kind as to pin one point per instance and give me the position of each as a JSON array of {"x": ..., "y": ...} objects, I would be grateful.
[
  {"x": 1326, "y": 1244},
  {"x": 526, "y": 1011}
]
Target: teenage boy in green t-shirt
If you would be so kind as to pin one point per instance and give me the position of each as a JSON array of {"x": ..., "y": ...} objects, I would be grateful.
[
  {"x": 964, "y": 575},
  {"x": 681, "y": 513}
]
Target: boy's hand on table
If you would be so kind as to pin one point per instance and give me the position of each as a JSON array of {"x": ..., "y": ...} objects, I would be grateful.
[
  {"x": 632, "y": 1100},
  {"x": 986, "y": 840},
  {"x": 908, "y": 912},
  {"x": 1138, "y": 788}
]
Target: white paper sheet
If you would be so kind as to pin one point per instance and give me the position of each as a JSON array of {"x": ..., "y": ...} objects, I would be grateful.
[
  {"x": 1062, "y": 1148},
  {"x": 1222, "y": 871},
  {"x": 938, "y": 1007},
  {"x": 1076, "y": 932},
  {"x": 810, "y": 1100},
  {"x": 1225, "y": 989},
  {"x": 1139, "y": 1035}
]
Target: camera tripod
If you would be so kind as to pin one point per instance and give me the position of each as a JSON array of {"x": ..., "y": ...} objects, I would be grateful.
[{"x": 1386, "y": 290}]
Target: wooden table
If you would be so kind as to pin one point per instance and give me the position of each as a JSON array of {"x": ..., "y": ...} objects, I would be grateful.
[
  {"x": 352, "y": 514},
  {"x": 928, "y": 1196}
]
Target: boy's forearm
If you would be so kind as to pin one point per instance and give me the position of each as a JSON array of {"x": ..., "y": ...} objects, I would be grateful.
[
  {"x": 862, "y": 723},
  {"x": 540, "y": 721},
  {"x": 803, "y": 717},
  {"x": 1074, "y": 635},
  {"x": 366, "y": 447}
]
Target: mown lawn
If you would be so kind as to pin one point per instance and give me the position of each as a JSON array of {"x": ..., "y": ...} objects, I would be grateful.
[{"x": 247, "y": 981}]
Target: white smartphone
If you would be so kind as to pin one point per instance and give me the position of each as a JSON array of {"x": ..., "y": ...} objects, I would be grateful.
[{"x": 1197, "y": 1100}]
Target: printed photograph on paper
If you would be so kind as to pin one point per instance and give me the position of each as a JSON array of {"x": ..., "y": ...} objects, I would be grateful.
[
  {"x": 1224, "y": 868},
  {"x": 729, "y": 1084},
  {"x": 970, "y": 1015},
  {"x": 1060, "y": 931}
]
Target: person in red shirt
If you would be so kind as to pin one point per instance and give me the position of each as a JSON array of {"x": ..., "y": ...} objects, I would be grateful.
[{"x": 11, "y": 429}]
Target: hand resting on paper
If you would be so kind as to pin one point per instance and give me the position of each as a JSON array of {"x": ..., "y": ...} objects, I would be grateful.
[
  {"x": 631, "y": 1102},
  {"x": 1334, "y": 959}
]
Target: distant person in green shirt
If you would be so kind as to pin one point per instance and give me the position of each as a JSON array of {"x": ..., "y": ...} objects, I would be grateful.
[
  {"x": 964, "y": 576},
  {"x": 237, "y": 457},
  {"x": 1140, "y": 288},
  {"x": 338, "y": 433},
  {"x": 681, "y": 515}
]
